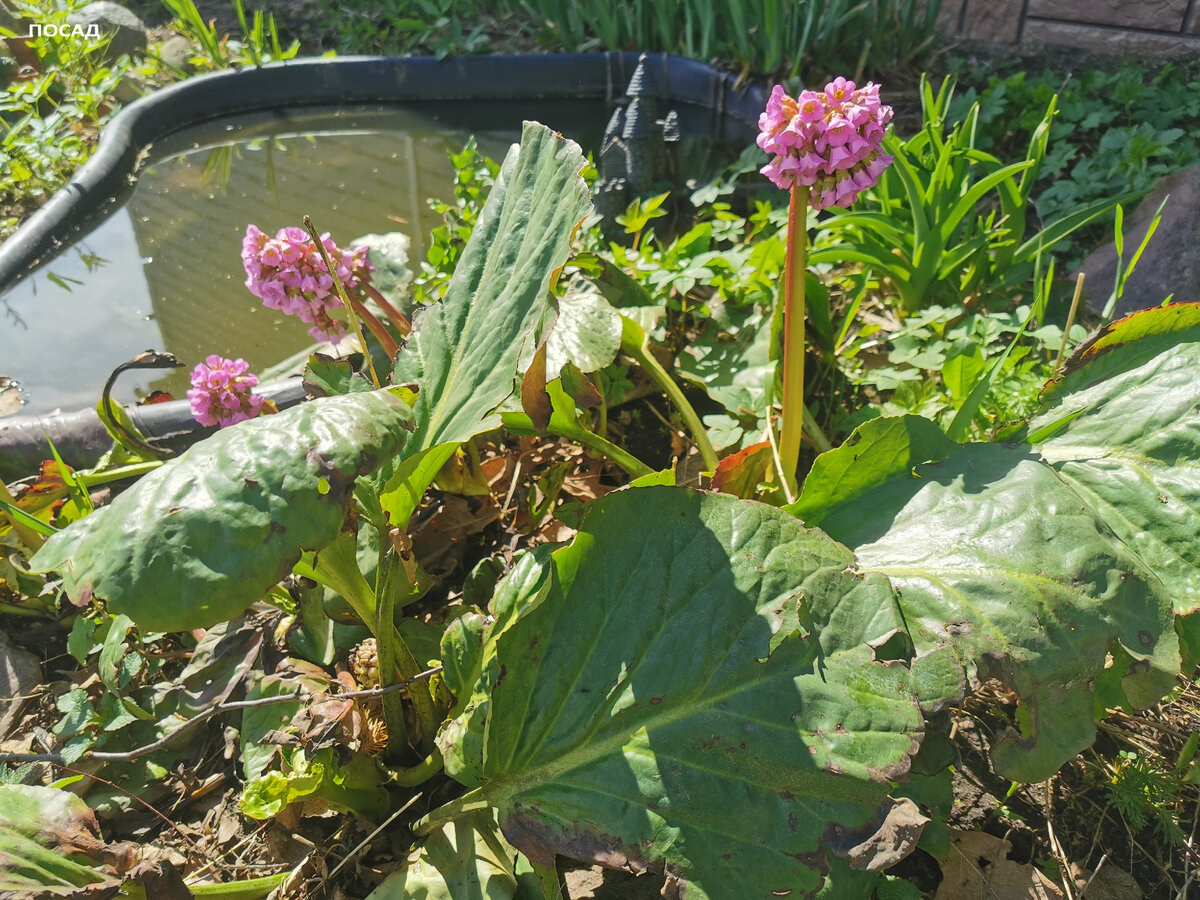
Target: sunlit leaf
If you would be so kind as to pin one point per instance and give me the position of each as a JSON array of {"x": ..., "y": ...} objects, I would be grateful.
[
  {"x": 689, "y": 686},
  {"x": 199, "y": 539}
]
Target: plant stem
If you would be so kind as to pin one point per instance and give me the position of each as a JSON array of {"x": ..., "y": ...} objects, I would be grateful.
[
  {"x": 400, "y": 570},
  {"x": 601, "y": 445},
  {"x": 133, "y": 470},
  {"x": 579, "y": 434},
  {"x": 398, "y": 318},
  {"x": 385, "y": 649},
  {"x": 462, "y": 806},
  {"x": 814, "y": 432},
  {"x": 1062, "y": 349},
  {"x": 418, "y": 774},
  {"x": 635, "y": 344},
  {"x": 377, "y": 328},
  {"x": 17, "y": 609},
  {"x": 793, "y": 335},
  {"x": 251, "y": 889},
  {"x": 341, "y": 292}
]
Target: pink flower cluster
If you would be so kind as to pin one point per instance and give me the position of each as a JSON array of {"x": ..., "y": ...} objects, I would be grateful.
[
  {"x": 220, "y": 393},
  {"x": 828, "y": 141},
  {"x": 287, "y": 273}
]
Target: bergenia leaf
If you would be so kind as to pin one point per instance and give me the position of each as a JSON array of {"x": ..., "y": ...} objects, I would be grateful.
[
  {"x": 689, "y": 687},
  {"x": 49, "y": 844},
  {"x": 1122, "y": 427},
  {"x": 1003, "y": 572},
  {"x": 202, "y": 537},
  {"x": 464, "y": 351},
  {"x": 587, "y": 331},
  {"x": 467, "y": 859}
]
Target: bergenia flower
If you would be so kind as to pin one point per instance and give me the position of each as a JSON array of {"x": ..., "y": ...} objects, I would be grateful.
[
  {"x": 287, "y": 273},
  {"x": 827, "y": 141},
  {"x": 221, "y": 392}
]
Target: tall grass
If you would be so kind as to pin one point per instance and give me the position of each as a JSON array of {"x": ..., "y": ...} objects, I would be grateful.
[{"x": 780, "y": 37}]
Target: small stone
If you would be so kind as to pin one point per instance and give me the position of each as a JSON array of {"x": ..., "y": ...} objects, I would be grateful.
[
  {"x": 20, "y": 673},
  {"x": 176, "y": 52},
  {"x": 128, "y": 32}
]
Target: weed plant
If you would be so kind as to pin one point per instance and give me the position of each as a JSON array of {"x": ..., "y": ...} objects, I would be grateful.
[
  {"x": 51, "y": 114},
  {"x": 780, "y": 37},
  {"x": 1115, "y": 132}
]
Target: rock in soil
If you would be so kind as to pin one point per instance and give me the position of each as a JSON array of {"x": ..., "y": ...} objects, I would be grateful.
[{"x": 20, "y": 673}]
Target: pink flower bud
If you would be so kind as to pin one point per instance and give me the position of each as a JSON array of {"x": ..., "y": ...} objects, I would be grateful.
[
  {"x": 221, "y": 392},
  {"x": 288, "y": 274},
  {"x": 820, "y": 135}
]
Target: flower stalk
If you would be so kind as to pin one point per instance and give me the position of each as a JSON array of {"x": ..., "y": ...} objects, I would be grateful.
[
  {"x": 635, "y": 345},
  {"x": 792, "y": 425},
  {"x": 825, "y": 150}
]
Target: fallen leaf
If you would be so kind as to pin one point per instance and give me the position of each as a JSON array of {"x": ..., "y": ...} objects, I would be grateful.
[
  {"x": 1110, "y": 882},
  {"x": 978, "y": 866},
  {"x": 20, "y": 674},
  {"x": 894, "y": 838}
]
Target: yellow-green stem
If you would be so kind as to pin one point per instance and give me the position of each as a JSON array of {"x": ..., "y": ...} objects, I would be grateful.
[
  {"x": 1062, "y": 348},
  {"x": 793, "y": 335},
  {"x": 454, "y": 809},
  {"x": 417, "y": 775},
  {"x": 341, "y": 292},
  {"x": 395, "y": 657},
  {"x": 635, "y": 344}
]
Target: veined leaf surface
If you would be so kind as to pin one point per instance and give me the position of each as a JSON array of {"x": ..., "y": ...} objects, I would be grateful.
[
  {"x": 464, "y": 860},
  {"x": 1122, "y": 427},
  {"x": 202, "y": 537},
  {"x": 465, "y": 349},
  {"x": 689, "y": 686},
  {"x": 1003, "y": 572}
]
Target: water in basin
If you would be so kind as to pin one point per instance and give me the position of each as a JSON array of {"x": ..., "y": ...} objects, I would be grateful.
[{"x": 164, "y": 271}]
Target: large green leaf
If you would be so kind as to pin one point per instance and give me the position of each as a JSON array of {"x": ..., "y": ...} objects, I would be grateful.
[
  {"x": 465, "y": 349},
  {"x": 465, "y": 860},
  {"x": 689, "y": 686},
  {"x": 587, "y": 331},
  {"x": 1003, "y": 572},
  {"x": 1122, "y": 427},
  {"x": 49, "y": 843},
  {"x": 199, "y": 539}
]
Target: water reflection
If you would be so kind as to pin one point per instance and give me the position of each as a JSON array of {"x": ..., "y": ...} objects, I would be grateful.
[{"x": 165, "y": 271}]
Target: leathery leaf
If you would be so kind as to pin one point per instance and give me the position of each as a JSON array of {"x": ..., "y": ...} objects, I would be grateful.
[
  {"x": 1122, "y": 427},
  {"x": 1003, "y": 572},
  {"x": 691, "y": 686},
  {"x": 464, "y": 350},
  {"x": 465, "y": 860},
  {"x": 198, "y": 540}
]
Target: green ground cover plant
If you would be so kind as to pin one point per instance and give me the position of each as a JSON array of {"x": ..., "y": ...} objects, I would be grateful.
[
  {"x": 54, "y": 106},
  {"x": 684, "y": 670},
  {"x": 574, "y": 700},
  {"x": 1116, "y": 131}
]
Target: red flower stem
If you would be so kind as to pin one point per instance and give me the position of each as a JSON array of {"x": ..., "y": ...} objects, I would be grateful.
[
  {"x": 377, "y": 328},
  {"x": 793, "y": 336},
  {"x": 398, "y": 318}
]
